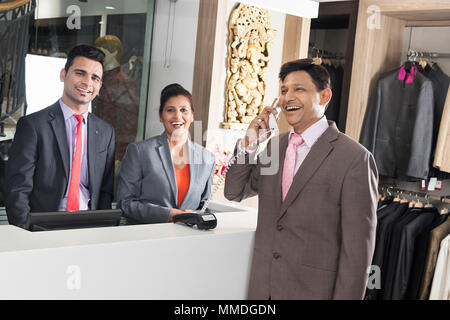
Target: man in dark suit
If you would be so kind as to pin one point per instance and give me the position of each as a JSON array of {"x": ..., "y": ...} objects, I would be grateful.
[
  {"x": 315, "y": 235},
  {"x": 62, "y": 157}
]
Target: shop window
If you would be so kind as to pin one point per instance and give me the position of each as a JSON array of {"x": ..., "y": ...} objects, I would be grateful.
[{"x": 35, "y": 37}]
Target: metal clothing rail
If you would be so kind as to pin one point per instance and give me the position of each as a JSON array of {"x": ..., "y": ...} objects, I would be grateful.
[
  {"x": 418, "y": 194},
  {"x": 319, "y": 53},
  {"x": 413, "y": 54}
]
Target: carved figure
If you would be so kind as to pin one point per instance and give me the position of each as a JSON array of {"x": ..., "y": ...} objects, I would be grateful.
[{"x": 249, "y": 53}]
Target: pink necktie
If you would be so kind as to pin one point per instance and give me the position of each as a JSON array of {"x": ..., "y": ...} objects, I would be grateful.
[
  {"x": 289, "y": 163},
  {"x": 74, "y": 186}
]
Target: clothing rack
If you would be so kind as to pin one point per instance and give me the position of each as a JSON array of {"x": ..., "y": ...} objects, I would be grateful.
[
  {"x": 388, "y": 188},
  {"x": 320, "y": 53},
  {"x": 413, "y": 55}
]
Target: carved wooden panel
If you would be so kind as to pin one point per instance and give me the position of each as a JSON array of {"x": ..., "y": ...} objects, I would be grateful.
[{"x": 249, "y": 51}]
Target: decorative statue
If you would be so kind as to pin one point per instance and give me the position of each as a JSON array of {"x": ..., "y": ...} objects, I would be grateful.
[{"x": 249, "y": 53}]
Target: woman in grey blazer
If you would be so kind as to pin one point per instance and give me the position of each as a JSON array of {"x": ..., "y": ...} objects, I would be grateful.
[{"x": 168, "y": 174}]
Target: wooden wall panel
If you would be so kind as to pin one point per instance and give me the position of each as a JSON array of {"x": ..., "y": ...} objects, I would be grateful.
[
  {"x": 296, "y": 38},
  {"x": 377, "y": 50},
  {"x": 209, "y": 59},
  {"x": 398, "y": 8}
]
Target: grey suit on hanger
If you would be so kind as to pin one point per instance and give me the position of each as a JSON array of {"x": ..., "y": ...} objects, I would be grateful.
[
  {"x": 147, "y": 189},
  {"x": 398, "y": 126}
]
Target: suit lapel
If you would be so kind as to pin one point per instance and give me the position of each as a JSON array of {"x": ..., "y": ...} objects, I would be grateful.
[
  {"x": 193, "y": 170},
  {"x": 56, "y": 120},
  {"x": 318, "y": 153},
  {"x": 284, "y": 140},
  {"x": 166, "y": 160},
  {"x": 92, "y": 142}
]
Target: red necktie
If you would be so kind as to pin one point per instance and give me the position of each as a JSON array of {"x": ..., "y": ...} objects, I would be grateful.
[{"x": 73, "y": 203}]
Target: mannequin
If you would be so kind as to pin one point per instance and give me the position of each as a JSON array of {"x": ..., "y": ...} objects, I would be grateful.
[{"x": 118, "y": 102}]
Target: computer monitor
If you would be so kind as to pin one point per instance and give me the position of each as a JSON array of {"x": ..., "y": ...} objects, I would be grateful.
[{"x": 61, "y": 220}]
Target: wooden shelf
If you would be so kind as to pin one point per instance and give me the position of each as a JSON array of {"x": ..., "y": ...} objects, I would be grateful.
[{"x": 5, "y": 6}]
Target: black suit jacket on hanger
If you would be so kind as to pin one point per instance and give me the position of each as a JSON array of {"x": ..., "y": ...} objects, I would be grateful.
[
  {"x": 384, "y": 203},
  {"x": 391, "y": 258},
  {"x": 409, "y": 234},
  {"x": 440, "y": 82},
  {"x": 384, "y": 227}
]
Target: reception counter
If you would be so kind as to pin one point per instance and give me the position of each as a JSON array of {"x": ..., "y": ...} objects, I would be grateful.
[{"x": 157, "y": 261}]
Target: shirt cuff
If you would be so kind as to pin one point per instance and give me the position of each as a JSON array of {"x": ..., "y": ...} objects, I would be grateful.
[{"x": 247, "y": 150}]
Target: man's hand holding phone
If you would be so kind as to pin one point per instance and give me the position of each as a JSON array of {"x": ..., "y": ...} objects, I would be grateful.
[{"x": 258, "y": 128}]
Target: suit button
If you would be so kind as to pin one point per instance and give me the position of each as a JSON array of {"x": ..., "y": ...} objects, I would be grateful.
[
  {"x": 276, "y": 255},
  {"x": 279, "y": 227}
]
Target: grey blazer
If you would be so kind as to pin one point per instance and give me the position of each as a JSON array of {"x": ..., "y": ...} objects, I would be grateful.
[
  {"x": 319, "y": 242},
  {"x": 39, "y": 164},
  {"x": 398, "y": 126},
  {"x": 147, "y": 189}
]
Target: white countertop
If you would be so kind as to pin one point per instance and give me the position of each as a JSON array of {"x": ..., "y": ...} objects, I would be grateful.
[
  {"x": 13, "y": 238},
  {"x": 153, "y": 261}
]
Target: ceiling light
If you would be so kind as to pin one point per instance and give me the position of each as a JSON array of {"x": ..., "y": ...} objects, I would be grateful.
[{"x": 110, "y": 8}]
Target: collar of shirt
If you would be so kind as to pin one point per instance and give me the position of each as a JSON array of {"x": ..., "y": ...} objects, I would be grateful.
[
  {"x": 314, "y": 132},
  {"x": 68, "y": 112}
]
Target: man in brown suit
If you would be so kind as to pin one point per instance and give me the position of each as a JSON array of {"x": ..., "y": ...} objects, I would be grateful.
[{"x": 314, "y": 239}]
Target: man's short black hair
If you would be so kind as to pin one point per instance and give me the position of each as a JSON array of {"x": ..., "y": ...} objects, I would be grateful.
[
  {"x": 319, "y": 74},
  {"x": 87, "y": 51}
]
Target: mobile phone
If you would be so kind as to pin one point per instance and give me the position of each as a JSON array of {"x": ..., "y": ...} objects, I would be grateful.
[{"x": 273, "y": 126}]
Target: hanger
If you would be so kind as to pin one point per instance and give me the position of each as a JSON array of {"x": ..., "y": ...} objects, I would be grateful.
[
  {"x": 411, "y": 59},
  {"x": 411, "y": 202},
  {"x": 384, "y": 193},
  {"x": 443, "y": 210},
  {"x": 381, "y": 196},
  {"x": 428, "y": 205},
  {"x": 336, "y": 62},
  {"x": 422, "y": 62},
  {"x": 317, "y": 60},
  {"x": 397, "y": 198},
  {"x": 430, "y": 61},
  {"x": 404, "y": 200},
  {"x": 418, "y": 203}
]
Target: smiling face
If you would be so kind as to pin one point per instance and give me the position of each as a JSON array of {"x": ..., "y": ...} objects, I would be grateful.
[
  {"x": 82, "y": 82},
  {"x": 301, "y": 102},
  {"x": 177, "y": 116}
]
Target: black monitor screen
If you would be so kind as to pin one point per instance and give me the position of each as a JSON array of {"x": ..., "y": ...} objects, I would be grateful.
[{"x": 44, "y": 221}]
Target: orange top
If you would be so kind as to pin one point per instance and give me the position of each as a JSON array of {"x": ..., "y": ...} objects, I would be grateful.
[{"x": 182, "y": 177}]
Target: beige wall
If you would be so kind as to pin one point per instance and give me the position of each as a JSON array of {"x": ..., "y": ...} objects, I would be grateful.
[{"x": 181, "y": 61}]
